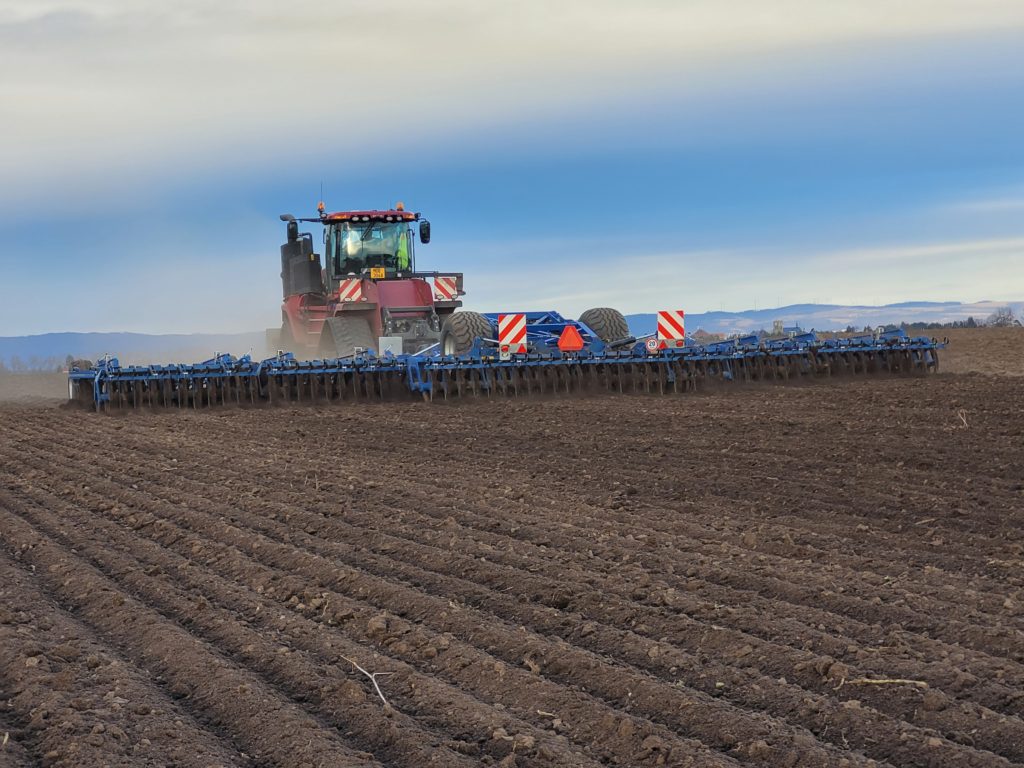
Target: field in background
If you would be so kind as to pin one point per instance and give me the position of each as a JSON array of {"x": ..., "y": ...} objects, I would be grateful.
[
  {"x": 826, "y": 574},
  {"x": 982, "y": 350},
  {"x": 33, "y": 389}
]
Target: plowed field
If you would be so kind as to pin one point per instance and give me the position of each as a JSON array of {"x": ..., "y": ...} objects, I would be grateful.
[{"x": 822, "y": 575}]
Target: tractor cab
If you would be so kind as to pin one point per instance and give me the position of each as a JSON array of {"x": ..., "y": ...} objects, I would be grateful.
[
  {"x": 371, "y": 244},
  {"x": 365, "y": 287}
]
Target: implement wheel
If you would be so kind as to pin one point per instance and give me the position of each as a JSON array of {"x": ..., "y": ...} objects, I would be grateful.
[
  {"x": 609, "y": 324},
  {"x": 341, "y": 336},
  {"x": 461, "y": 329}
]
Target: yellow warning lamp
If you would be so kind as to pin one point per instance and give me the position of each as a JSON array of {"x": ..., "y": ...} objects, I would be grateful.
[
  {"x": 320, "y": 207},
  {"x": 399, "y": 206}
]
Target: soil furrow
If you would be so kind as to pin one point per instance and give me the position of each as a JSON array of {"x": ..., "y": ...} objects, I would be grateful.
[
  {"x": 1006, "y": 638},
  {"x": 80, "y": 702},
  {"x": 819, "y": 575},
  {"x": 822, "y": 673},
  {"x": 849, "y": 541},
  {"x": 818, "y": 672},
  {"x": 333, "y": 692},
  {"x": 465, "y": 718},
  {"x": 696, "y": 714},
  {"x": 260, "y": 722},
  {"x": 684, "y": 531}
]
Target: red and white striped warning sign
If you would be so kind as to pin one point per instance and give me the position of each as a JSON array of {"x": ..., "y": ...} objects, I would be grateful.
[
  {"x": 512, "y": 333},
  {"x": 446, "y": 288},
  {"x": 671, "y": 328},
  {"x": 350, "y": 289}
]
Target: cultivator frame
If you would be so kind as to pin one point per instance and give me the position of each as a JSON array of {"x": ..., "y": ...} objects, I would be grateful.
[{"x": 626, "y": 366}]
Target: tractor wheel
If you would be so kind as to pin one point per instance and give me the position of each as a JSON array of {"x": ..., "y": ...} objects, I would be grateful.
[
  {"x": 341, "y": 336},
  {"x": 461, "y": 329},
  {"x": 609, "y": 324}
]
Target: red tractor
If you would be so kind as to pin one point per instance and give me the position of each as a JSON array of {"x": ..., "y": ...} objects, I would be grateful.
[{"x": 366, "y": 294}]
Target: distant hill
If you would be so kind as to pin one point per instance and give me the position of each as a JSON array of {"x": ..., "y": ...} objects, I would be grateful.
[
  {"x": 35, "y": 351},
  {"x": 829, "y": 317},
  {"x": 49, "y": 350}
]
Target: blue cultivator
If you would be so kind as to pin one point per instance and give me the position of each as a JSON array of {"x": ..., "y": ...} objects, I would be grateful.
[{"x": 536, "y": 365}]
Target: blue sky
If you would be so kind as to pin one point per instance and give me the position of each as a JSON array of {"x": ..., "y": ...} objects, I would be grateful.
[{"x": 701, "y": 155}]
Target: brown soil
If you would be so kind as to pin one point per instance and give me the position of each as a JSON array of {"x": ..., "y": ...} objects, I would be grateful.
[
  {"x": 707, "y": 580},
  {"x": 983, "y": 350},
  {"x": 33, "y": 389}
]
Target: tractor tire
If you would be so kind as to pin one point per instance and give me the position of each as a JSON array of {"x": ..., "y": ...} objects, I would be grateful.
[
  {"x": 341, "y": 336},
  {"x": 82, "y": 365},
  {"x": 461, "y": 329},
  {"x": 609, "y": 324}
]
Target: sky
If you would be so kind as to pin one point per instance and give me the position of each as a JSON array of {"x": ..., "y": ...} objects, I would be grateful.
[{"x": 694, "y": 154}]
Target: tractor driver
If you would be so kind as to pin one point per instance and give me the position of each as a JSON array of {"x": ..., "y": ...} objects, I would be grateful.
[
  {"x": 388, "y": 246},
  {"x": 357, "y": 248},
  {"x": 402, "y": 254}
]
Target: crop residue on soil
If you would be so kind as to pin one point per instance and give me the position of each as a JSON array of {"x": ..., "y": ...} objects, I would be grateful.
[{"x": 824, "y": 575}]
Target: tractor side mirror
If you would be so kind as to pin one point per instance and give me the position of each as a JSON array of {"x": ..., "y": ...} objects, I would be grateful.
[
  {"x": 293, "y": 231},
  {"x": 424, "y": 231},
  {"x": 286, "y": 217}
]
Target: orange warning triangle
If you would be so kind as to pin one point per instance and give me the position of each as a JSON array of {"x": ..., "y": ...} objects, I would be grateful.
[{"x": 570, "y": 340}]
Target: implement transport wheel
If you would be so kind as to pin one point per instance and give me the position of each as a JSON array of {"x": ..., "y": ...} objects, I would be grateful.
[
  {"x": 341, "y": 336},
  {"x": 461, "y": 329},
  {"x": 609, "y": 324}
]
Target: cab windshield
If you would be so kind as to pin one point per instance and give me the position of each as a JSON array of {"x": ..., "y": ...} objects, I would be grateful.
[{"x": 353, "y": 246}]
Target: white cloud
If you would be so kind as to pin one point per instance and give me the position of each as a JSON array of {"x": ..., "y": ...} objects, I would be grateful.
[
  {"x": 991, "y": 205},
  {"x": 639, "y": 280},
  {"x": 931, "y": 254},
  {"x": 101, "y": 91}
]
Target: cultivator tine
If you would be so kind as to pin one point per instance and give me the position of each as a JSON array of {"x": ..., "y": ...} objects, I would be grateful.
[
  {"x": 557, "y": 380},
  {"x": 531, "y": 380},
  {"x": 434, "y": 379},
  {"x": 516, "y": 382},
  {"x": 684, "y": 377},
  {"x": 542, "y": 376},
  {"x": 507, "y": 381},
  {"x": 225, "y": 381}
]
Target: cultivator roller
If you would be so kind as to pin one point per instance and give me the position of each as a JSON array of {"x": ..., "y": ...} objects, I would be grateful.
[{"x": 630, "y": 366}]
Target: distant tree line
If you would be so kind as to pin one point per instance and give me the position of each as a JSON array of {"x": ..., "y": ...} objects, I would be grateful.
[
  {"x": 35, "y": 364},
  {"x": 1001, "y": 318}
]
